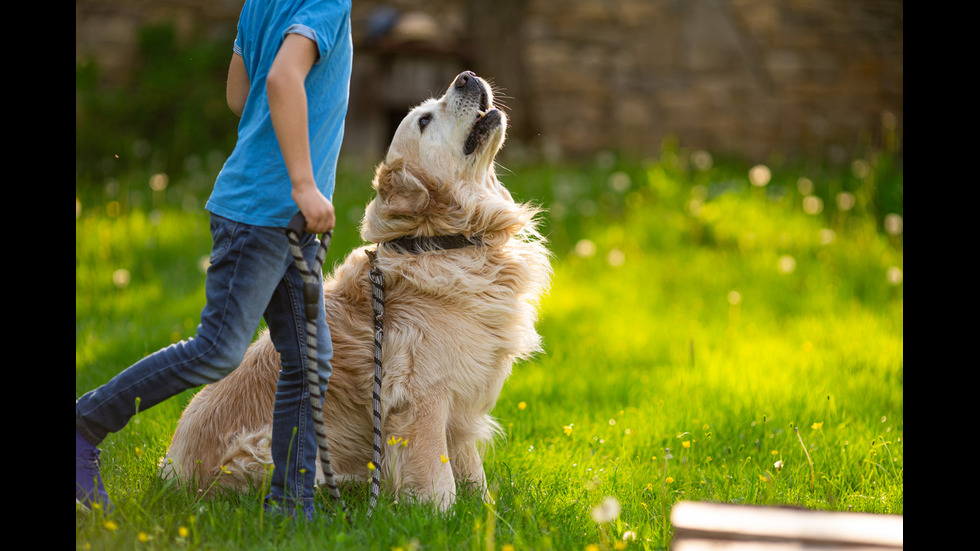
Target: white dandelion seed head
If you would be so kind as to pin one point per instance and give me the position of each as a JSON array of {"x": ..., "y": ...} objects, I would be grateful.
[
  {"x": 804, "y": 186},
  {"x": 607, "y": 511},
  {"x": 734, "y": 297},
  {"x": 812, "y": 204},
  {"x": 894, "y": 275},
  {"x": 894, "y": 224},
  {"x": 786, "y": 264},
  {"x": 616, "y": 257},
  {"x": 760, "y": 175},
  {"x": 585, "y": 248},
  {"x": 121, "y": 278}
]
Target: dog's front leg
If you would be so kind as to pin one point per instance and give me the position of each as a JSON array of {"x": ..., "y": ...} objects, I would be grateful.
[
  {"x": 467, "y": 464},
  {"x": 423, "y": 465}
]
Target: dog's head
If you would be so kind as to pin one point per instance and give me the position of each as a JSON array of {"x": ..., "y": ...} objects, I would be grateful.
[
  {"x": 455, "y": 136},
  {"x": 438, "y": 175}
]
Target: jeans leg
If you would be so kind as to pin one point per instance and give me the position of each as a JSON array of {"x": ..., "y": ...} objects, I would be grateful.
[
  {"x": 294, "y": 447},
  {"x": 247, "y": 263}
]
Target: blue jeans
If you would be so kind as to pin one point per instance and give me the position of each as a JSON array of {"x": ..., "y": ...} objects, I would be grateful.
[{"x": 252, "y": 275}]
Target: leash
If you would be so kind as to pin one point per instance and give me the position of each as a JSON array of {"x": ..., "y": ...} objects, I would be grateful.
[
  {"x": 311, "y": 299},
  {"x": 378, "y": 305},
  {"x": 413, "y": 245},
  {"x": 311, "y": 290}
]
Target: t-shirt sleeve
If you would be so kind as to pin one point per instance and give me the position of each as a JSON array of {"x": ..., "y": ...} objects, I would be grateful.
[
  {"x": 237, "y": 46},
  {"x": 321, "y": 22},
  {"x": 308, "y": 32}
]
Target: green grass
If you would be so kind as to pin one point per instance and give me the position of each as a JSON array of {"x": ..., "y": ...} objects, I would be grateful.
[{"x": 699, "y": 331}]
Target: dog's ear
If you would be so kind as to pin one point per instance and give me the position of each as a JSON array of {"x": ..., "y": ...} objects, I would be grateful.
[{"x": 401, "y": 191}]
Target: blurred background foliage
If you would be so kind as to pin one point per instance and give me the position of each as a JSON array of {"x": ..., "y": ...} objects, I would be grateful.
[
  {"x": 161, "y": 136},
  {"x": 167, "y": 117}
]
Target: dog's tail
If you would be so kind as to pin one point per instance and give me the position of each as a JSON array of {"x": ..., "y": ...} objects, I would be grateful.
[{"x": 247, "y": 462}]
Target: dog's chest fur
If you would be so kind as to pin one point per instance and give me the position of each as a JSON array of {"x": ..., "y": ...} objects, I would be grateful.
[{"x": 450, "y": 319}]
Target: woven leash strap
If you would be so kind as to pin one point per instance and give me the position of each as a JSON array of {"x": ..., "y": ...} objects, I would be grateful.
[
  {"x": 378, "y": 302},
  {"x": 311, "y": 299}
]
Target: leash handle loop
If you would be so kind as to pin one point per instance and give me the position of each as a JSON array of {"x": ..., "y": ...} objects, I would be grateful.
[{"x": 311, "y": 299}]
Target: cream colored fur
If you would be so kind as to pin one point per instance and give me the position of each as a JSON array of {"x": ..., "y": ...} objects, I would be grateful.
[{"x": 455, "y": 322}]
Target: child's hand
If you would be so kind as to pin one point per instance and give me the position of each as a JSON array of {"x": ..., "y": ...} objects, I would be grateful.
[{"x": 316, "y": 208}]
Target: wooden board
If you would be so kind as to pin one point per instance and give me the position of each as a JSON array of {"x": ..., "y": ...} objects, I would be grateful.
[{"x": 724, "y": 527}]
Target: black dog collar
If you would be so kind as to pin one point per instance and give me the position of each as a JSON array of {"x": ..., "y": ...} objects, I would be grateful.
[{"x": 416, "y": 245}]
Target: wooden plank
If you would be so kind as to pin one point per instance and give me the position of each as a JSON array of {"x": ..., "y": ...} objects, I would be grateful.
[
  {"x": 719, "y": 545},
  {"x": 717, "y": 526}
]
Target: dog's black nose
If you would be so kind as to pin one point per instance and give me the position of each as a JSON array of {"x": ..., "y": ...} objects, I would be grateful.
[{"x": 465, "y": 78}]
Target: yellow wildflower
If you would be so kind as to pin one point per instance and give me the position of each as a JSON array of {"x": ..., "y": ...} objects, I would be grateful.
[
  {"x": 508, "y": 547},
  {"x": 143, "y": 537},
  {"x": 568, "y": 429},
  {"x": 592, "y": 547},
  {"x": 521, "y": 405},
  {"x": 686, "y": 443},
  {"x": 183, "y": 531},
  {"x": 110, "y": 525},
  {"x": 370, "y": 465},
  {"x": 816, "y": 426},
  {"x": 443, "y": 458},
  {"x": 669, "y": 480}
]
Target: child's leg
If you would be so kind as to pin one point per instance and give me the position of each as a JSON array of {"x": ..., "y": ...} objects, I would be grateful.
[
  {"x": 294, "y": 446},
  {"x": 247, "y": 263}
]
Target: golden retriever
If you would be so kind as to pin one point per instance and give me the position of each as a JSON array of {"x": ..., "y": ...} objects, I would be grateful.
[{"x": 455, "y": 321}]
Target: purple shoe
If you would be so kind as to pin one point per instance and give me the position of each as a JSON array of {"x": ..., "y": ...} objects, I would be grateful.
[
  {"x": 287, "y": 508},
  {"x": 88, "y": 482}
]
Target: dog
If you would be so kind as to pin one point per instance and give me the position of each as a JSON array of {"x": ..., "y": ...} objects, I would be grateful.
[{"x": 455, "y": 321}]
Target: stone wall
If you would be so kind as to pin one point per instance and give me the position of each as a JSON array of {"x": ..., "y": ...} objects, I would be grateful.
[
  {"x": 749, "y": 77},
  {"x": 732, "y": 75},
  {"x": 107, "y": 29}
]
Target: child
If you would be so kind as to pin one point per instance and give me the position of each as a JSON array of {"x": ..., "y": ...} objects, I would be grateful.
[{"x": 289, "y": 82}]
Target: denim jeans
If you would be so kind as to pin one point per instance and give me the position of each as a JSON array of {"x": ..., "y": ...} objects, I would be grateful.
[{"x": 251, "y": 276}]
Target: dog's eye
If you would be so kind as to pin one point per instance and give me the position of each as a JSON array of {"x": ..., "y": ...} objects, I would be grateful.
[{"x": 424, "y": 121}]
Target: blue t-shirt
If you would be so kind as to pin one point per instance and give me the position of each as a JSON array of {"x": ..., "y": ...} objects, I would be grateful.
[{"x": 253, "y": 186}]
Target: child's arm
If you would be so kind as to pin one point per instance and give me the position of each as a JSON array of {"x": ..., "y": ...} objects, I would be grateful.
[
  {"x": 238, "y": 85},
  {"x": 287, "y": 106}
]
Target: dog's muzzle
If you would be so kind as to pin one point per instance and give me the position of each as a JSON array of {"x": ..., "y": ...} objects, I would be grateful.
[{"x": 475, "y": 92}]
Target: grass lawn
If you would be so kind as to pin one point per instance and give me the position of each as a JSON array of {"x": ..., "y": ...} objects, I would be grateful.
[{"x": 714, "y": 333}]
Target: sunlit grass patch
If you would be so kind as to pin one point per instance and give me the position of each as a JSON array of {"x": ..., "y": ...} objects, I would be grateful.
[{"x": 706, "y": 337}]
